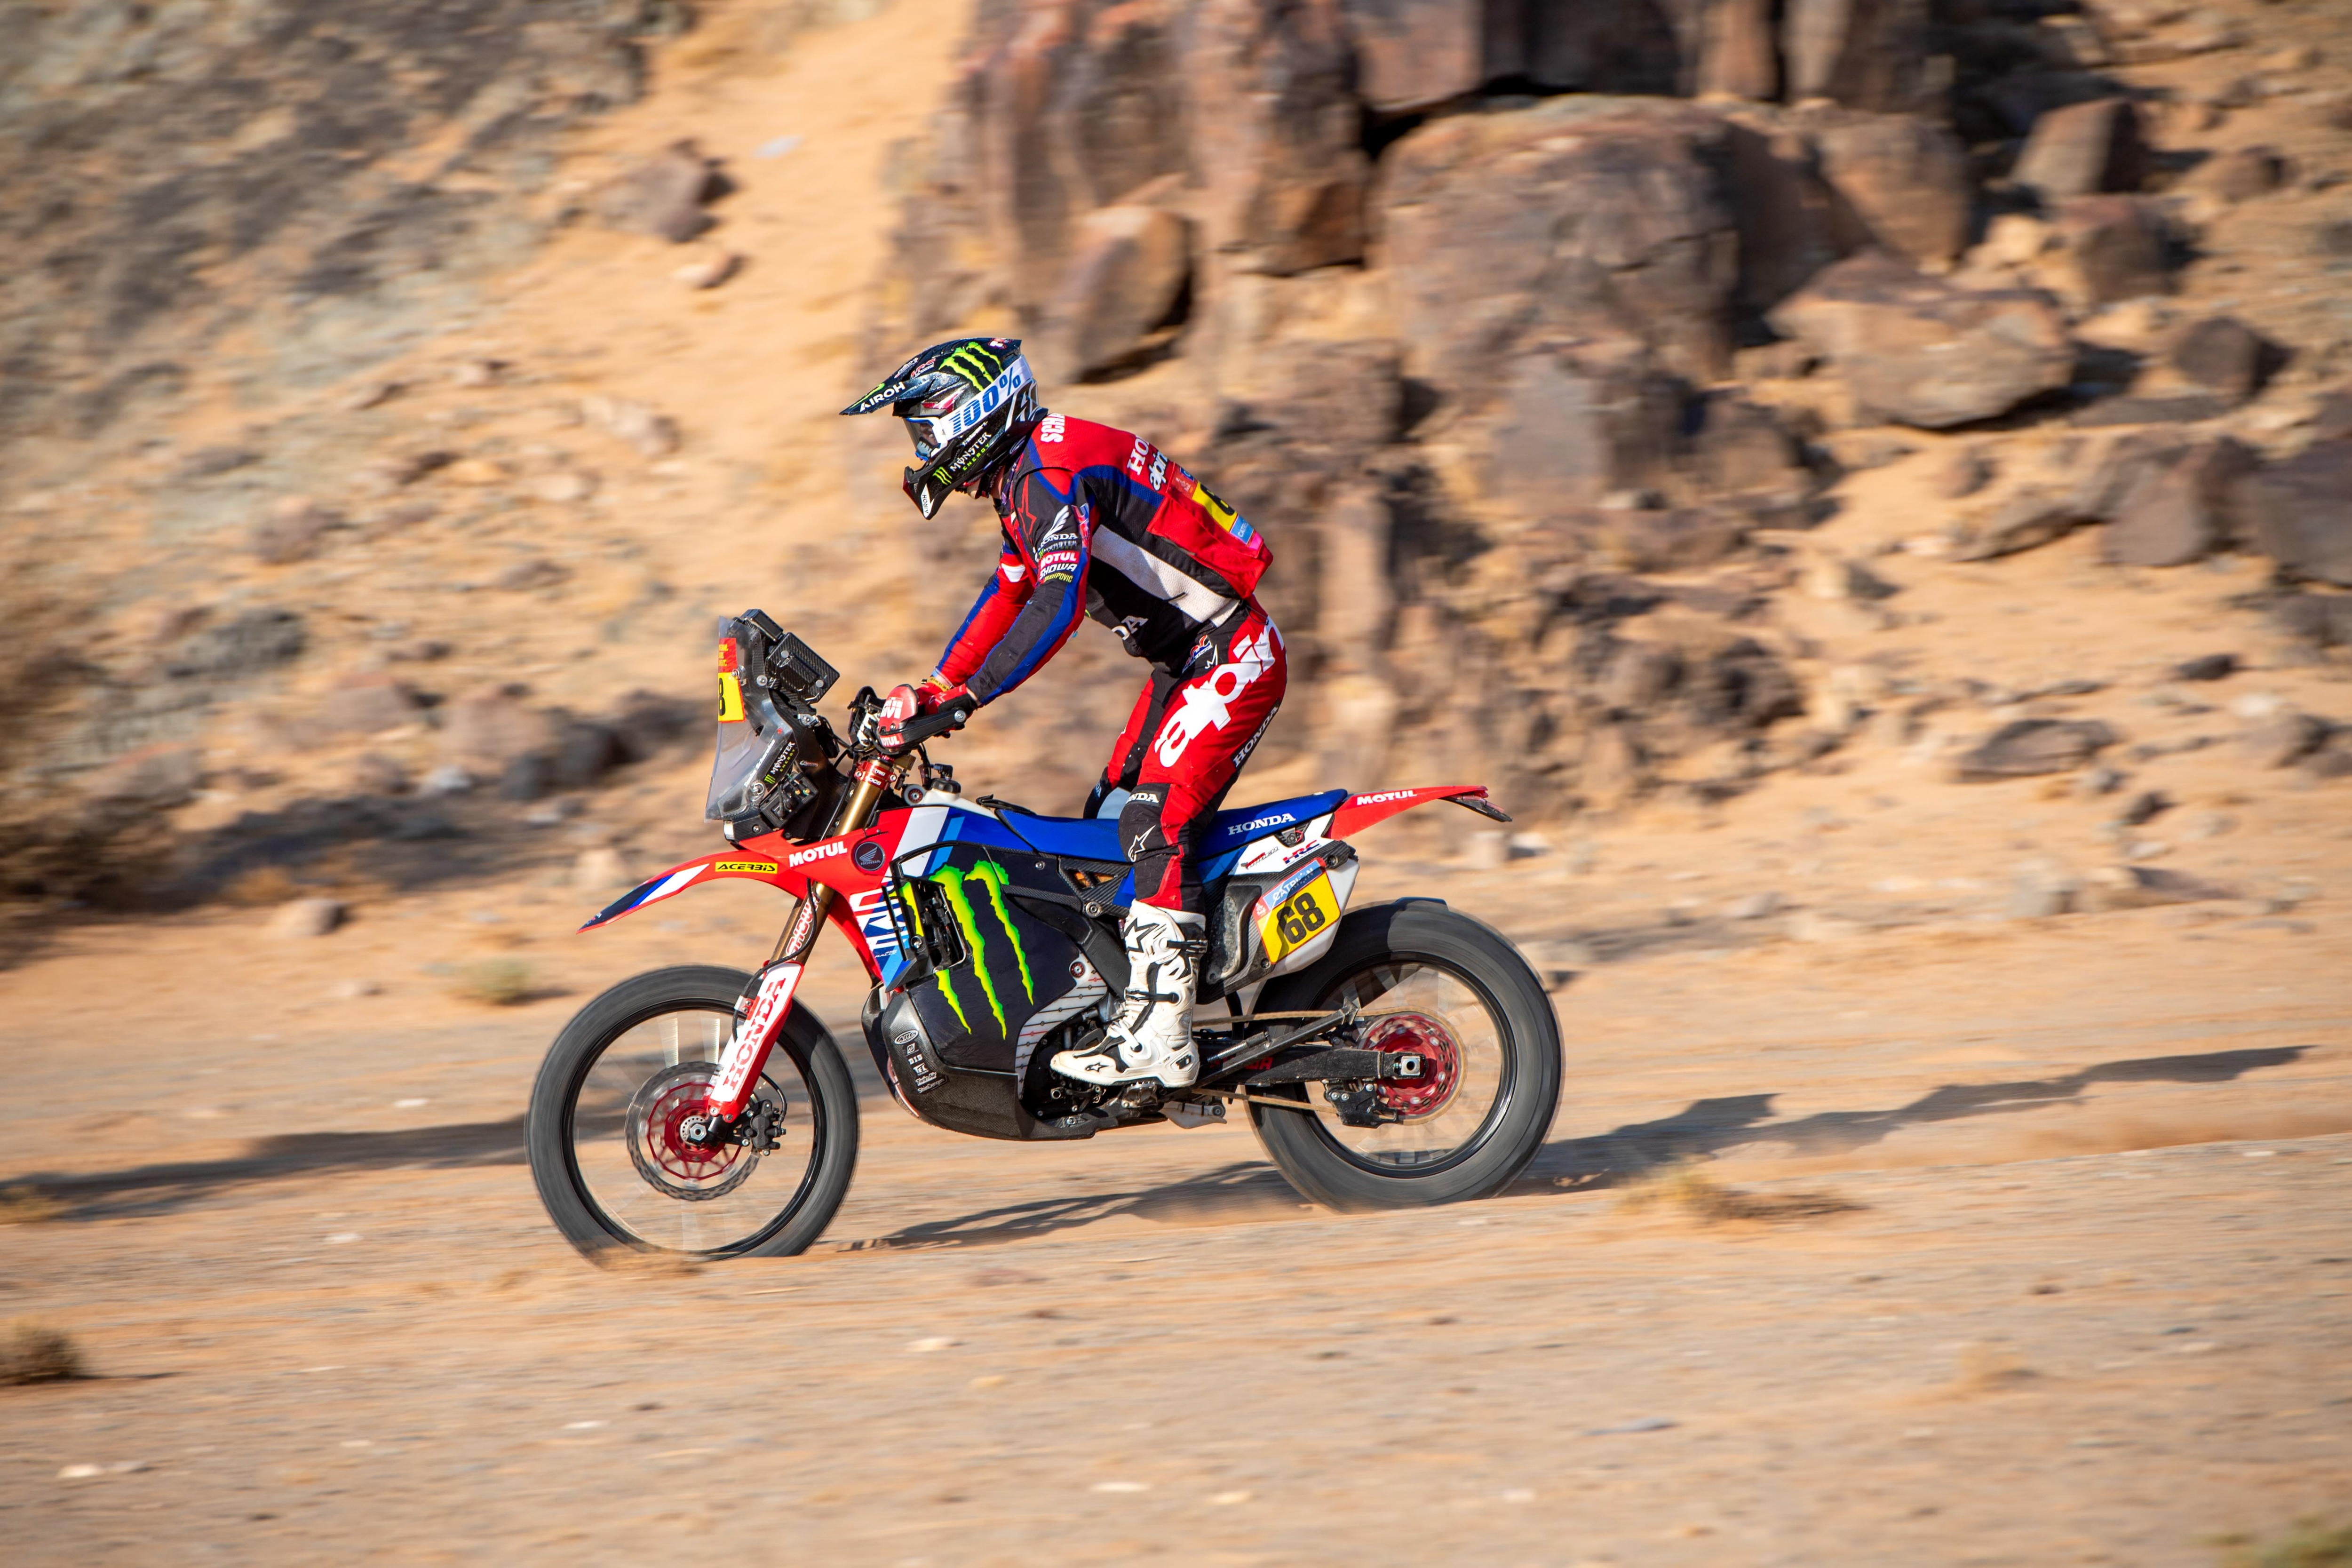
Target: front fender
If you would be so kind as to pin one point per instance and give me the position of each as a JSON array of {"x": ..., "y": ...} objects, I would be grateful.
[{"x": 729, "y": 862}]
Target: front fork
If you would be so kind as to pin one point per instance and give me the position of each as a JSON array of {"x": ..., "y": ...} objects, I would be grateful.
[{"x": 768, "y": 999}]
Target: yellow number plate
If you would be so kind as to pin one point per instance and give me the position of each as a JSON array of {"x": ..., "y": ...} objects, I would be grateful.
[
  {"x": 1299, "y": 918},
  {"x": 731, "y": 699}
]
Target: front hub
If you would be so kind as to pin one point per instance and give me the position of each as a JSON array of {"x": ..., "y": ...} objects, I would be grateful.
[{"x": 679, "y": 1147}]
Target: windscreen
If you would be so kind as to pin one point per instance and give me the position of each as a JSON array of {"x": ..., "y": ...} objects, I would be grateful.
[{"x": 754, "y": 742}]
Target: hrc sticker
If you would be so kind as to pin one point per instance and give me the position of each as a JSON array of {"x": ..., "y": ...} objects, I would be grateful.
[
  {"x": 1297, "y": 920},
  {"x": 752, "y": 867}
]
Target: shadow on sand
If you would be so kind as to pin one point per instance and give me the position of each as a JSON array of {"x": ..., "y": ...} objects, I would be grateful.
[{"x": 1240, "y": 1192}]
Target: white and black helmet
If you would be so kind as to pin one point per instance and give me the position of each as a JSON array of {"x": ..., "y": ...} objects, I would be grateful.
[{"x": 968, "y": 402}]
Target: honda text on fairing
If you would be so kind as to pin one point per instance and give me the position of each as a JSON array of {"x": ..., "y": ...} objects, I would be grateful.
[{"x": 1396, "y": 1054}]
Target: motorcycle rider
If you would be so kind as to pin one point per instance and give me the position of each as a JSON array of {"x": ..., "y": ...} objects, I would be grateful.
[{"x": 1098, "y": 519}]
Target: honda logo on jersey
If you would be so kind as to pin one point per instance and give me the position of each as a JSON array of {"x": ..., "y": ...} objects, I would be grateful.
[{"x": 1208, "y": 702}]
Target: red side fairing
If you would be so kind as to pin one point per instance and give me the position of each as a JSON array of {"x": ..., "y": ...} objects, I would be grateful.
[
  {"x": 1362, "y": 811},
  {"x": 851, "y": 864}
]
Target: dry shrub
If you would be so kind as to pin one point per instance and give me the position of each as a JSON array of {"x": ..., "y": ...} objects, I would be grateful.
[
  {"x": 1988, "y": 1368},
  {"x": 23, "y": 1205},
  {"x": 497, "y": 981},
  {"x": 2312, "y": 1543},
  {"x": 34, "y": 1352},
  {"x": 1684, "y": 1187}
]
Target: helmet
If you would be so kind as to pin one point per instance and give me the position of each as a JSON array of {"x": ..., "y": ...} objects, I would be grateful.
[{"x": 968, "y": 402}]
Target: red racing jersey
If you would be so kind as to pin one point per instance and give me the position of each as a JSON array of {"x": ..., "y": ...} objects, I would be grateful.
[{"x": 1099, "y": 521}]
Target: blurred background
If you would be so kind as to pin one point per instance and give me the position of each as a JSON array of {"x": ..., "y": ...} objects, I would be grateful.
[{"x": 1868, "y": 483}]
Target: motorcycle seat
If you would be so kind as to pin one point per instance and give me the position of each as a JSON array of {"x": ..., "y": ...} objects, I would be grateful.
[{"x": 1097, "y": 837}]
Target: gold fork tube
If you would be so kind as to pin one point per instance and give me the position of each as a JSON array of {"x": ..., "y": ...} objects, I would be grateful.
[{"x": 875, "y": 776}]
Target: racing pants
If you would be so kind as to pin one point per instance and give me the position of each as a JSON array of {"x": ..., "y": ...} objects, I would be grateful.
[{"x": 1185, "y": 743}]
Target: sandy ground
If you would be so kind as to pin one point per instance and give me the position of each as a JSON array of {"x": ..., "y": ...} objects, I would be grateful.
[{"x": 2091, "y": 1305}]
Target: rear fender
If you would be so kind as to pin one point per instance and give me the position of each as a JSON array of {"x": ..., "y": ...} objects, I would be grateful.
[{"x": 1361, "y": 811}]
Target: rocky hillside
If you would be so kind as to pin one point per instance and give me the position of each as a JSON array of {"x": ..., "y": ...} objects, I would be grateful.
[
  {"x": 1643, "y": 399},
  {"x": 1512, "y": 325}
]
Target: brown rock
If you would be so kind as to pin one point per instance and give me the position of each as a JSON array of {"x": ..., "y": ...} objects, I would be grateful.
[
  {"x": 1678, "y": 541},
  {"x": 2282, "y": 737},
  {"x": 2130, "y": 461},
  {"x": 1864, "y": 53},
  {"x": 292, "y": 531},
  {"x": 2181, "y": 511},
  {"x": 1358, "y": 590},
  {"x": 1787, "y": 217},
  {"x": 373, "y": 772},
  {"x": 370, "y": 704},
  {"x": 2025, "y": 522},
  {"x": 2178, "y": 408},
  {"x": 298, "y": 918},
  {"x": 1578, "y": 425},
  {"x": 1739, "y": 55},
  {"x": 1582, "y": 217},
  {"x": 487, "y": 730},
  {"x": 1611, "y": 48},
  {"x": 1737, "y": 446},
  {"x": 2109, "y": 247},
  {"x": 1962, "y": 473},
  {"x": 1278, "y": 133},
  {"x": 1065, "y": 107},
  {"x": 1127, "y": 274},
  {"x": 1612, "y": 769},
  {"x": 152, "y": 778},
  {"x": 2084, "y": 149},
  {"x": 531, "y": 573},
  {"x": 665, "y": 194},
  {"x": 1916, "y": 350},
  {"x": 1782, "y": 360},
  {"x": 709, "y": 271},
  {"x": 2299, "y": 512},
  {"x": 1638, "y": 676},
  {"x": 2026, "y": 747},
  {"x": 2144, "y": 887},
  {"x": 2332, "y": 420},
  {"x": 389, "y": 473},
  {"x": 1902, "y": 183},
  {"x": 653, "y": 434},
  {"x": 2225, "y": 356},
  {"x": 1417, "y": 53},
  {"x": 2323, "y": 620},
  {"x": 2239, "y": 174}
]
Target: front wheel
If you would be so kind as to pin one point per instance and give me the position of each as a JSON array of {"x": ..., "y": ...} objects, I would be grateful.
[
  {"x": 613, "y": 1125},
  {"x": 1435, "y": 982}
]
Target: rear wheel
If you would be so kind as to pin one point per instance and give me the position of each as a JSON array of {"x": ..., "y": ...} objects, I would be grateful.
[
  {"x": 1434, "y": 982},
  {"x": 623, "y": 1159}
]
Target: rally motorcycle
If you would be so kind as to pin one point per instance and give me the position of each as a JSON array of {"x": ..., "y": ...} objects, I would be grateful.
[{"x": 1398, "y": 1055}]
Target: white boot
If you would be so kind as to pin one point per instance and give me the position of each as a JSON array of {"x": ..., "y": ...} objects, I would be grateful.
[{"x": 1152, "y": 1036}]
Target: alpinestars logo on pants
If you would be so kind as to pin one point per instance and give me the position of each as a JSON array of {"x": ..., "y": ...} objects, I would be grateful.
[{"x": 1208, "y": 703}]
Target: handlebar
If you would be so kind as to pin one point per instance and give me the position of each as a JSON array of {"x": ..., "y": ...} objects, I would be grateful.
[{"x": 955, "y": 716}]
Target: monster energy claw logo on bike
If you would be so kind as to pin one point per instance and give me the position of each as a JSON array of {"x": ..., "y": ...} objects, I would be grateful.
[{"x": 958, "y": 885}]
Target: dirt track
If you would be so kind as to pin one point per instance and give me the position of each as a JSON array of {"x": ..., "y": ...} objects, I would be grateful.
[{"x": 2091, "y": 1307}]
